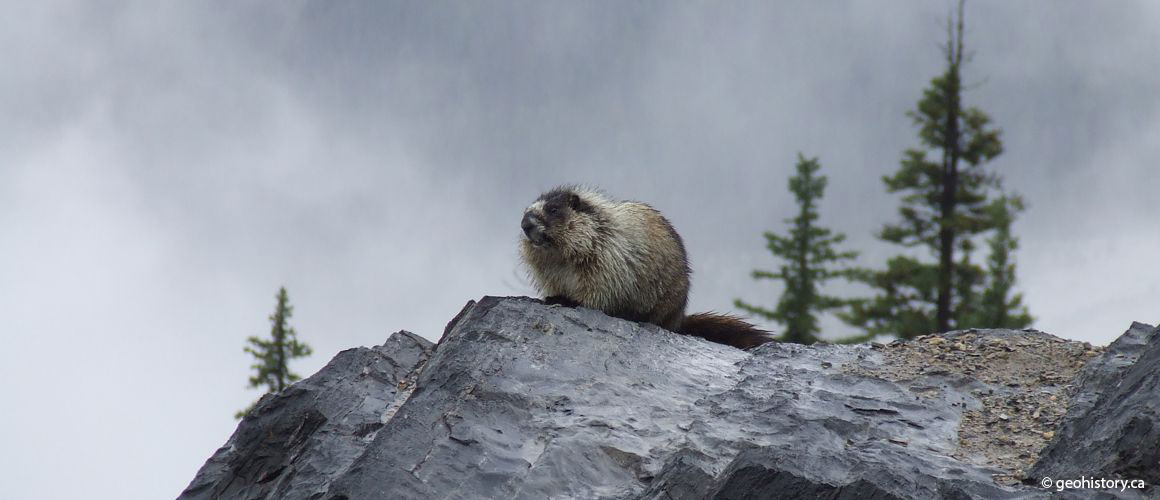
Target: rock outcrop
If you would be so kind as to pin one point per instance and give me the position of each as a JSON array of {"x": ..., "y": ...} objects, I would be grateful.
[
  {"x": 1112, "y": 429},
  {"x": 294, "y": 444},
  {"x": 523, "y": 400}
]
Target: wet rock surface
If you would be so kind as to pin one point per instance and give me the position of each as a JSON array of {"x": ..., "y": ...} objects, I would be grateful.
[
  {"x": 523, "y": 400},
  {"x": 294, "y": 444}
]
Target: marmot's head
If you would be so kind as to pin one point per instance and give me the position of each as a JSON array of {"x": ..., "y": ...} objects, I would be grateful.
[{"x": 563, "y": 221}]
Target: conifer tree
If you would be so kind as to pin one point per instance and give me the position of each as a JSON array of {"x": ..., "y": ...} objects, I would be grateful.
[
  {"x": 272, "y": 356},
  {"x": 808, "y": 257},
  {"x": 944, "y": 207},
  {"x": 998, "y": 308},
  {"x": 968, "y": 278}
]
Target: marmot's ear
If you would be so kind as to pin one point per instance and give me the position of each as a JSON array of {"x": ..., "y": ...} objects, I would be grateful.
[{"x": 574, "y": 200}]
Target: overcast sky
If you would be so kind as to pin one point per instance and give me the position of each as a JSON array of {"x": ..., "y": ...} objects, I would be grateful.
[{"x": 166, "y": 166}]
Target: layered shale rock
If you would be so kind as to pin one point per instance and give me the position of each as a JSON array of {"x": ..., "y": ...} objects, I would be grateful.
[{"x": 523, "y": 400}]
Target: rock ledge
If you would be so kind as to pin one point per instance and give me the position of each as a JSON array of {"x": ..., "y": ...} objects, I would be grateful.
[{"x": 523, "y": 400}]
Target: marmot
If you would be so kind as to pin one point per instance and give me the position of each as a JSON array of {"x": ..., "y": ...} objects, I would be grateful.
[{"x": 621, "y": 257}]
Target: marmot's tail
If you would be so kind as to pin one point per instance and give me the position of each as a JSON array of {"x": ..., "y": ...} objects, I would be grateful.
[{"x": 724, "y": 329}]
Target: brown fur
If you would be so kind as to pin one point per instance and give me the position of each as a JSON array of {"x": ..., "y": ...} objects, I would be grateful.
[{"x": 623, "y": 258}]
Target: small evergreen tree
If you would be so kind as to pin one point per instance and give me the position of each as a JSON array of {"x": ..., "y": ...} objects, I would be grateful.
[
  {"x": 998, "y": 308},
  {"x": 808, "y": 254},
  {"x": 967, "y": 279},
  {"x": 272, "y": 355}
]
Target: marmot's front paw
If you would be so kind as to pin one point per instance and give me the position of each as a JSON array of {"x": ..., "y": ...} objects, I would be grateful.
[{"x": 560, "y": 300}]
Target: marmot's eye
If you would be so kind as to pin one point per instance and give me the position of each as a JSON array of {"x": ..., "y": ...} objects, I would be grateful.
[{"x": 553, "y": 210}]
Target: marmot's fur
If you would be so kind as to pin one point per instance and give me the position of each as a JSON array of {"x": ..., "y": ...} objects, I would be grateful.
[{"x": 621, "y": 257}]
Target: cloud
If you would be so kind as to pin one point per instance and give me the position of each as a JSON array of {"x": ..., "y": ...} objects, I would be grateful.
[{"x": 164, "y": 168}]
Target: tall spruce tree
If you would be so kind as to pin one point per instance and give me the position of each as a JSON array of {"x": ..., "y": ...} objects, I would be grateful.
[
  {"x": 272, "y": 356},
  {"x": 808, "y": 255},
  {"x": 944, "y": 205}
]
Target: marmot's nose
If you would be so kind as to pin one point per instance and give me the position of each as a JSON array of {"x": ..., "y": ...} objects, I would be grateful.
[{"x": 528, "y": 224}]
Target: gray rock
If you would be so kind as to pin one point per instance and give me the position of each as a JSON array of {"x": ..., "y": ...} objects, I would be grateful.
[
  {"x": 1112, "y": 429},
  {"x": 294, "y": 444},
  {"x": 523, "y": 400}
]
